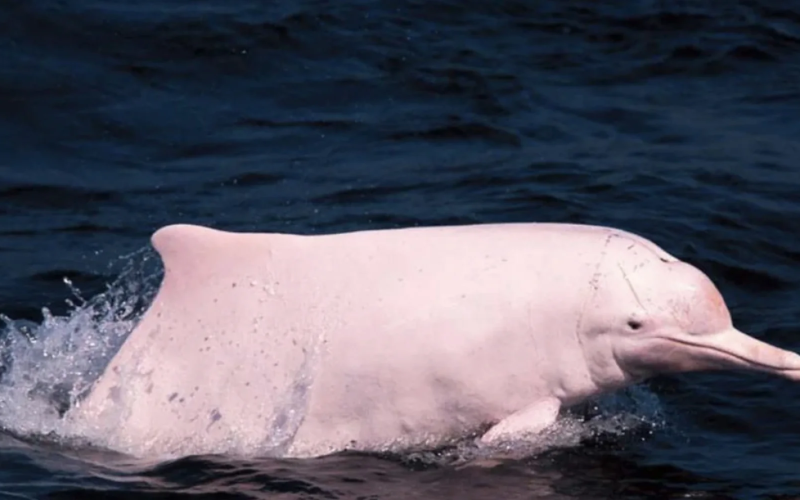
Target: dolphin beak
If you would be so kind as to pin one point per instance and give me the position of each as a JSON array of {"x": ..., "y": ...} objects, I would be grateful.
[{"x": 732, "y": 349}]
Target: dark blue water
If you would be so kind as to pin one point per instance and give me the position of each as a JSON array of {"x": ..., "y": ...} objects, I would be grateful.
[{"x": 676, "y": 120}]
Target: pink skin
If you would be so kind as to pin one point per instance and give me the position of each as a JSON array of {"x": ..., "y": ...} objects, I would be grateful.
[{"x": 395, "y": 339}]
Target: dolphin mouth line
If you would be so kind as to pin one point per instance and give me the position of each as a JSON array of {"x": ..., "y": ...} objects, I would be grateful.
[{"x": 746, "y": 361}]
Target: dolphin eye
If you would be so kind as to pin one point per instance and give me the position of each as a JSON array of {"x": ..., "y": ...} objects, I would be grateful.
[{"x": 634, "y": 324}]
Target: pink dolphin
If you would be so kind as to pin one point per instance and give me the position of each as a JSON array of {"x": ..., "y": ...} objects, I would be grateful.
[{"x": 394, "y": 339}]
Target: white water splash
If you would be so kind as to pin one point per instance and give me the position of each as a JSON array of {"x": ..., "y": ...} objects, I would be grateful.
[{"x": 47, "y": 367}]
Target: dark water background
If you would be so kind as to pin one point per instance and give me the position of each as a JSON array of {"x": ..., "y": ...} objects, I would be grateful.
[{"x": 677, "y": 120}]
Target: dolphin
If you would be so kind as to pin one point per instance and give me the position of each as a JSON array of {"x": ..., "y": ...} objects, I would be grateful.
[{"x": 396, "y": 339}]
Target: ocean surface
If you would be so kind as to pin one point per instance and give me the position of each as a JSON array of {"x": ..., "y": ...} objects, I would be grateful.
[{"x": 677, "y": 120}]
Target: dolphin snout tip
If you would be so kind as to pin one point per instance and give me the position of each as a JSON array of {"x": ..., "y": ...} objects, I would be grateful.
[
  {"x": 791, "y": 366},
  {"x": 793, "y": 360},
  {"x": 792, "y": 374}
]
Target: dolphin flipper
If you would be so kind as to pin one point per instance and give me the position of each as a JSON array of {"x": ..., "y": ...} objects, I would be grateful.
[{"x": 528, "y": 421}]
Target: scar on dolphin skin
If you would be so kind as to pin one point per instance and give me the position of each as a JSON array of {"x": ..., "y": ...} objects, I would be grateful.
[
  {"x": 594, "y": 283},
  {"x": 633, "y": 244},
  {"x": 630, "y": 285},
  {"x": 115, "y": 394},
  {"x": 215, "y": 417}
]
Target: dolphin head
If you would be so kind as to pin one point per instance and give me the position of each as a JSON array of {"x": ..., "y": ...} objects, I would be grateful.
[
  {"x": 655, "y": 316},
  {"x": 687, "y": 327}
]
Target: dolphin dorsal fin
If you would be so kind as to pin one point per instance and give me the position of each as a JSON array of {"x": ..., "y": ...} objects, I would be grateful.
[
  {"x": 180, "y": 245},
  {"x": 198, "y": 256}
]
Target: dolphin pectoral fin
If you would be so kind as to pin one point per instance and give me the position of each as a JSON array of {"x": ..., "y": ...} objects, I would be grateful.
[{"x": 528, "y": 421}]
